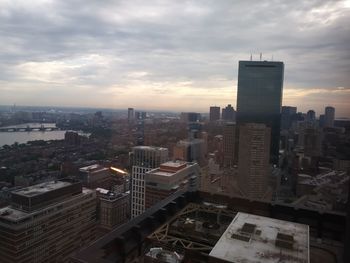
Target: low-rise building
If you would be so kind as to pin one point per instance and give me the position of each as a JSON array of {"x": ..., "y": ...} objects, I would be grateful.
[
  {"x": 95, "y": 175},
  {"x": 169, "y": 178},
  {"x": 47, "y": 222},
  {"x": 114, "y": 208}
]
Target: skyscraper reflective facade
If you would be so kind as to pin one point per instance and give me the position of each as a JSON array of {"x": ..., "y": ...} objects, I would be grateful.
[
  {"x": 329, "y": 116},
  {"x": 259, "y": 97}
]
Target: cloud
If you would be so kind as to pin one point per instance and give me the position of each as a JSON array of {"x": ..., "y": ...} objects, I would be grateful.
[{"x": 151, "y": 47}]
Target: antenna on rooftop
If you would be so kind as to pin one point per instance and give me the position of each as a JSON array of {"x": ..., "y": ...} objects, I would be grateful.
[
  {"x": 260, "y": 56},
  {"x": 272, "y": 57},
  {"x": 251, "y": 57}
]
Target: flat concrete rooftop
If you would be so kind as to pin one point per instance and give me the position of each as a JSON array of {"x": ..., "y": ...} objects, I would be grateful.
[
  {"x": 150, "y": 148},
  {"x": 11, "y": 214},
  {"x": 174, "y": 164},
  {"x": 253, "y": 238},
  {"x": 42, "y": 188},
  {"x": 92, "y": 168}
]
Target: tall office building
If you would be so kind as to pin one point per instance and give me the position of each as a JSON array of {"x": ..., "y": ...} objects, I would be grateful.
[
  {"x": 321, "y": 121},
  {"x": 347, "y": 235},
  {"x": 311, "y": 116},
  {"x": 288, "y": 115},
  {"x": 140, "y": 115},
  {"x": 47, "y": 222},
  {"x": 214, "y": 113},
  {"x": 143, "y": 159},
  {"x": 228, "y": 113},
  {"x": 193, "y": 150},
  {"x": 259, "y": 97},
  {"x": 253, "y": 159},
  {"x": 329, "y": 116},
  {"x": 229, "y": 144},
  {"x": 130, "y": 114}
]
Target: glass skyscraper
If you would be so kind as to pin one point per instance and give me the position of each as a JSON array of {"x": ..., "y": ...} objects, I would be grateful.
[{"x": 259, "y": 97}]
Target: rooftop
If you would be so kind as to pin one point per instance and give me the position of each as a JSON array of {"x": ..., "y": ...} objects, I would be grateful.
[
  {"x": 160, "y": 173},
  {"x": 10, "y": 214},
  {"x": 170, "y": 168},
  {"x": 42, "y": 188},
  {"x": 260, "y": 62},
  {"x": 92, "y": 168},
  {"x": 332, "y": 177},
  {"x": 150, "y": 148},
  {"x": 206, "y": 218},
  {"x": 174, "y": 164},
  {"x": 252, "y": 238},
  {"x": 187, "y": 142},
  {"x": 107, "y": 195}
]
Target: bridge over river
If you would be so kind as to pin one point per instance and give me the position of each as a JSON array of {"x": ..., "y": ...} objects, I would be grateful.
[{"x": 28, "y": 128}]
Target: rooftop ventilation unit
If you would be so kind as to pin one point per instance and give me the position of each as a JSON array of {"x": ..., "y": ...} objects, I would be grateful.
[
  {"x": 284, "y": 241},
  {"x": 245, "y": 233}
]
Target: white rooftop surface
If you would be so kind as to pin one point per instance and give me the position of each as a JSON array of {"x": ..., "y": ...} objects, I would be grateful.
[
  {"x": 41, "y": 188},
  {"x": 143, "y": 147},
  {"x": 332, "y": 177},
  {"x": 102, "y": 190},
  {"x": 162, "y": 173},
  {"x": 174, "y": 163},
  {"x": 261, "y": 247},
  {"x": 190, "y": 142},
  {"x": 92, "y": 168}
]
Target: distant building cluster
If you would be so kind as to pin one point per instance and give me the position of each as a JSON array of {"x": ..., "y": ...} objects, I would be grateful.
[
  {"x": 228, "y": 114},
  {"x": 262, "y": 183}
]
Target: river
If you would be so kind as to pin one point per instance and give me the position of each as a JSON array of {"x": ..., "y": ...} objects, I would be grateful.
[{"x": 10, "y": 138}]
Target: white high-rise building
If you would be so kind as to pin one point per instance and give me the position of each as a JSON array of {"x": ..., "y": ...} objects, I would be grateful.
[{"x": 144, "y": 159}]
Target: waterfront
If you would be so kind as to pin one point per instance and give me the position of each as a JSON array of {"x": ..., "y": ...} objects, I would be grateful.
[{"x": 10, "y": 138}]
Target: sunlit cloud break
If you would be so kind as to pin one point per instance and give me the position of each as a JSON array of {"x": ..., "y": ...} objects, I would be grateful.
[{"x": 171, "y": 55}]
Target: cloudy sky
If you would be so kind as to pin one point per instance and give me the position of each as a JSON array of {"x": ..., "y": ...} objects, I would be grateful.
[{"x": 171, "y": 55}]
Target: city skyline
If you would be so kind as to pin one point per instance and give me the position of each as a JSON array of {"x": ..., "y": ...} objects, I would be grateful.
[{"x": 183, "y": 56}]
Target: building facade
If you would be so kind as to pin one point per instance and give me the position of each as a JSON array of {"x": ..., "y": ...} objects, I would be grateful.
[
  {"x": 329, "y": 115},
  {"x": 253, "y": 159},
  {"x": 229, "y": 138},
  {"x": 190, "y": 116},
  {"x": 114, "y": 208},
  {"x": 228, "y": 113},
  {"x": 259, "y": 97},
  {"x": 191, "y": 150},
  {"x": 47, "y": 222},
  {"x": 288, "y": 115},
  {"x": 94, "y": 176},
  {"x": 143, "y": 159},
  {"x": 214, "y": 113},
  {"x": 131, "y": 114},
  {"x": 171, "y": 177}
]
